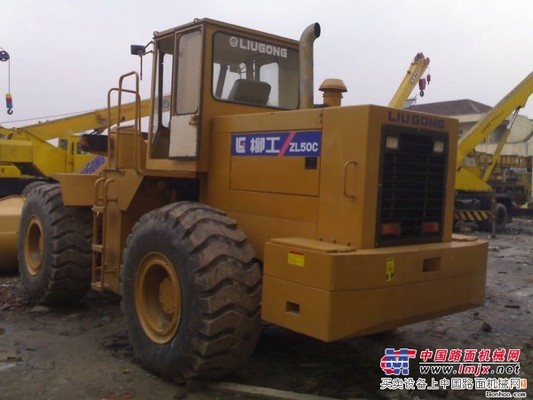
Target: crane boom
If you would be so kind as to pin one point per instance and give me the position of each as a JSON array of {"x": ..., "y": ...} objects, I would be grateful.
[
  {"x": 94, "y": 120},
  {"x": 414, "y": 73},
  {"x": 497, "y": 152},
  {"x": 27, "y": 153},
  {"x": 514, "y": 100}
]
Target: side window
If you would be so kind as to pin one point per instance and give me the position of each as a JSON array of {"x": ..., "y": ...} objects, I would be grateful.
[
  {"x": 254, "y": 72},
  {"x": 189, "y": 72},
  {"x": 163, "y": 84},
  {"x": 166, "y": 87}
]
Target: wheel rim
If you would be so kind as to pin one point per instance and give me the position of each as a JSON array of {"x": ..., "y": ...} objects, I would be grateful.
[
  {"x": 158, "y": 298},
  {"x": 34, "y": 246}
]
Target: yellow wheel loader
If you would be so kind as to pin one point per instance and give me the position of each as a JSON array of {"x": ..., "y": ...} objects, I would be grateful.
[{"x": 248, "y": 202}]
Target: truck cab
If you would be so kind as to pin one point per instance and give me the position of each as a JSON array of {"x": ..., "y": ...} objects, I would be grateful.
[{"x": 212, "y": 68}]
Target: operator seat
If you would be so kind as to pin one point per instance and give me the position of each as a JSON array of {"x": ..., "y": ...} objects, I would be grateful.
[{"x": 253, "y": 92}]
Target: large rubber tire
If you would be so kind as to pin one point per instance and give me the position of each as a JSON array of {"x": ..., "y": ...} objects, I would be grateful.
[
  {"x": 31, "y": 186},
  {"x": 502, "y": 217},
  {"x": 191, "y": 291},
  {"x": 54, "y": 248}
]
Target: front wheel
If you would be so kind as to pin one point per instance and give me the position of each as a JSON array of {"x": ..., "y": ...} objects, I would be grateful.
[{"x": 191, "y": 292}]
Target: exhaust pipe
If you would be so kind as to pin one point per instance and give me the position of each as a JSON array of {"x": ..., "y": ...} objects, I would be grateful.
[{"x": 306, "y": 65}]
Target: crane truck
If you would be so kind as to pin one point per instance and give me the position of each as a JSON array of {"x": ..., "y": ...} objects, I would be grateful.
[
  {"x": 475, "y": 198},
  {"x": 27, "y": 154},
  {"x": 28, "y": 159},
  {"x": 248, "y": 202}
]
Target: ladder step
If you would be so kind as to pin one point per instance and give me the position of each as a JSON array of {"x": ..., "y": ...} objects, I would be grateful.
[
  {"x": 97, "y": 286},
  {"x": 98, "y": 209},
  {"x": 98, "y": 248}
]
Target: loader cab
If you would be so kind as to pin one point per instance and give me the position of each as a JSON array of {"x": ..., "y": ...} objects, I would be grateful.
[{"x": 210, "y": 69}]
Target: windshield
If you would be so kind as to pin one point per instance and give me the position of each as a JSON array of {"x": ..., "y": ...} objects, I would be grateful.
[{"x": 254, "y": 72}]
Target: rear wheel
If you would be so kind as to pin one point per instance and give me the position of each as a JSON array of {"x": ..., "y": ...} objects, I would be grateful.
[
  {"x": 502, "y": 217},
  {"x": 31, "y": 186},
  {"x": 54, "y": 248},
  {"x": 191, "y": 292}
]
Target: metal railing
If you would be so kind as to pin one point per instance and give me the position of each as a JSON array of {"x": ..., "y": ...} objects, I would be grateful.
[{"x": 137, "y": 122}]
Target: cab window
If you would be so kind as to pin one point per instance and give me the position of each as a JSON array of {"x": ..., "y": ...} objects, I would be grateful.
[
  {"x": 254, "y": 72},
  {"x": 189, "y": 70}
]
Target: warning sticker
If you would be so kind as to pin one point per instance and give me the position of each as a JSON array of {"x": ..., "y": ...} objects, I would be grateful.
[
  {"x": 296, "y": 258},
  {"x": 279, "y": 144}
]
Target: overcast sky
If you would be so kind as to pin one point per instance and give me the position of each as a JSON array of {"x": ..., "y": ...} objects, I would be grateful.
[{"x": 66, "y": 54}]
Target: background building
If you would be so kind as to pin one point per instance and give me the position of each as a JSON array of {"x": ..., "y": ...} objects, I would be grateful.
[{"x": 512, "y": 174}]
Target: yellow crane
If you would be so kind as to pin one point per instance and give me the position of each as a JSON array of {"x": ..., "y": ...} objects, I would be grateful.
[
  {"x": 27, "y": 154},
  {"x": 475, "y": 200},
  {"x": 5, "y": 57},
  {"x": 412, "y": 77}
]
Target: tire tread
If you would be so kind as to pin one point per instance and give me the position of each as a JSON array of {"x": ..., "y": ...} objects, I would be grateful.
[
  {"x": 67, "y": 260},
  {"x": 227, "y": 280}
]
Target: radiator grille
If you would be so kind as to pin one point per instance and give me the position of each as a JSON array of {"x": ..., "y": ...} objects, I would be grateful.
[{"x": 412, "y": 186}]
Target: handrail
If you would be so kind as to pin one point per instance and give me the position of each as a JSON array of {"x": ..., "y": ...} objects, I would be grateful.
[{"x": 137, "y": 118}]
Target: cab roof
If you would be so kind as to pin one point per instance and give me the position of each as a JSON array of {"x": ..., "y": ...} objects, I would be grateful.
[{"x": 207, "y": 21}]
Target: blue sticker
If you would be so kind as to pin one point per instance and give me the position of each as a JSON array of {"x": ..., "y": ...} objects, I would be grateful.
[
  {"x": 277, "y": 144},
  {"x": 92, "y": 166}
]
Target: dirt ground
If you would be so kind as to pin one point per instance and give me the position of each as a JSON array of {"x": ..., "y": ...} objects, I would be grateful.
[{"x": 82, "y": 352}]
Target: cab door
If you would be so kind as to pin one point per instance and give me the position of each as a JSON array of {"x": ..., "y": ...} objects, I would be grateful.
[{"x": 184, "y": 124}]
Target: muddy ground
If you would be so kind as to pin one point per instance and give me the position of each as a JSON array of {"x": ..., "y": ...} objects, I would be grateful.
[{"x": 82, "y": 352}]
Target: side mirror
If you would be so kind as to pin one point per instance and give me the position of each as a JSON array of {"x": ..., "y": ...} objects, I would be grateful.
[
  {"x": 140, "y": 50},
  {"x": 137, "y": 50}
]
